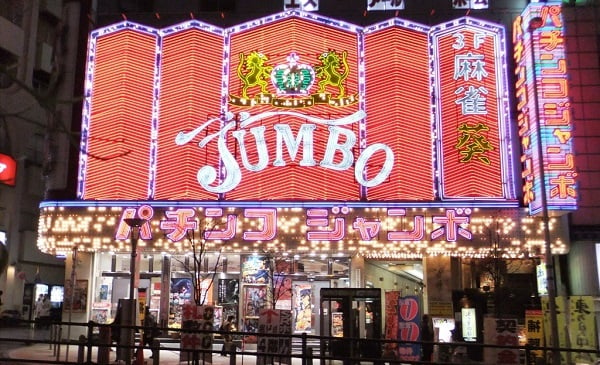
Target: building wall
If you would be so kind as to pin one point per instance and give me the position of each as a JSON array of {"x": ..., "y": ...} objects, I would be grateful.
[
  {"x": 583, "y": 40},
  {"x": 39, "y": 52}
]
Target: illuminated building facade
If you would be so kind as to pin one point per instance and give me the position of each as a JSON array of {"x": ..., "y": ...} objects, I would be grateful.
[{"x": 308, "y": 138}]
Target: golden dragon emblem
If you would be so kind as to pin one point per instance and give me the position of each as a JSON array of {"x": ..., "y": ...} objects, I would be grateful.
[
  {"x": 333, "y": 71},
  {"x": 253, "y": 71}
]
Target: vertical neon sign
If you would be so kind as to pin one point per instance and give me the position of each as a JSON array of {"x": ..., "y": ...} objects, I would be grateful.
[{"x": 540, "y": 57}]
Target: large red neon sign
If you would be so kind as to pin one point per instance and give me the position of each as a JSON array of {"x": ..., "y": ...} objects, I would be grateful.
[{"x": 295, "y": 108}]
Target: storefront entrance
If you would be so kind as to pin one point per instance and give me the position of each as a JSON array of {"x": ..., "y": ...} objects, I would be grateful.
[{"x": 354, "y": 316}]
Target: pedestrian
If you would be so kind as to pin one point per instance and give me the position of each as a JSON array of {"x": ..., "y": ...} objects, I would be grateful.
[
  {"x": 226, "y": 329},
  {"x": 45, "y": 312},
  {"x": 426, "y": 338},
  {"x": 38, "y": 310},
  {"x": 150, "y": 328}
]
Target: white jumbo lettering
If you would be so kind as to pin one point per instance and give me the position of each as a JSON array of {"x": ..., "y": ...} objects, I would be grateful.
[{"x": 207, "y": 175}]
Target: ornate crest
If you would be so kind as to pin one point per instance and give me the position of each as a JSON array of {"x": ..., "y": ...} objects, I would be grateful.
[
  {"x": 291, "y": 82},
  {"x": 293, "y": 78}
]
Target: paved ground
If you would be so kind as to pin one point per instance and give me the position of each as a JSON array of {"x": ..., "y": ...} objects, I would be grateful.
[{"x": 17, "y": 346}]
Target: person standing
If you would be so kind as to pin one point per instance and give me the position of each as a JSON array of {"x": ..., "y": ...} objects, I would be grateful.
[
  {"x": 150, "y": 328},
  {"x": 226, "y": 330},
  {"x": 426, "y": 338}
]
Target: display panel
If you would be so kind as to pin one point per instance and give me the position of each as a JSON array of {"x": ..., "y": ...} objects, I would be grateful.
[
  {"x": 472, "y": 110},
  {"x": 118, "y": 115},
  {"x": 398, "y": 107},
  {"x": 289, "y": 107},
  {"x": 190, "y": 93},
  {"x": 392, "y": 232},
  {"x": 544, "y": 118}
]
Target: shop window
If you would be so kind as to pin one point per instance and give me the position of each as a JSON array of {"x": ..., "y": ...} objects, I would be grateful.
[
  {"x": 12, "y": 10},
  {"x": 217, "y": 5},
  {"x": 8, "y": 68}
]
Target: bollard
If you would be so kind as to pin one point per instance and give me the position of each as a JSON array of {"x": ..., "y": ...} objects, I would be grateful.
[
  {"x": 309, "y": 355},
  {"x": 51, "y": 336},
  {"x": 59, "y": 338},
  {"x": 81, "y": 349},
  {"x": 156, "y": 352},
  {"x": 233, "y": 354},
  {"x": 104, "y": 345}
]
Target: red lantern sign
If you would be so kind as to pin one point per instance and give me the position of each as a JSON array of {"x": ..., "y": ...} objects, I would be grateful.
[{"x": 8, "y": 170}]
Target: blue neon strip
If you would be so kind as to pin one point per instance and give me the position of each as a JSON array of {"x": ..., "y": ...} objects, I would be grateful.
[{"x": 277, "y": 204}]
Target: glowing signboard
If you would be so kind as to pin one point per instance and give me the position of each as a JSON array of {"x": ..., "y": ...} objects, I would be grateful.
[
  {"x": 544, "y": 109},
  {"x": 265, "y": 111},
  {"x": 8, "y": 170},
  {"x": 373, "y": 231},
  {"x": 471, "y": 116}
]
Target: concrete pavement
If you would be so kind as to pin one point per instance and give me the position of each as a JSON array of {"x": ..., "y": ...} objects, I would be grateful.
[
  {"x": 19, "y": 345},
  {"x": 45, "y": 352}
]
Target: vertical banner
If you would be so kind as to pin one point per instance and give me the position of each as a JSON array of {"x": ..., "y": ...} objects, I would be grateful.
[
  {"x": 534, "y": 327},
  {"x": 274, "y": 321},
  {"x": 196, "y": 318},
  {"x": 142, "y": 302},
  {"x": 409, "y": 328},
  {"x": 582, "y": 328},
  {"x": 391, "y": 323},
  {"x": 561, "y": 307},
  {"x": 303, "y": 308},
  {"x": 472, "y": 109},
  {"x": 543, "y": 106},
  {"x": 502, "y": 332}
]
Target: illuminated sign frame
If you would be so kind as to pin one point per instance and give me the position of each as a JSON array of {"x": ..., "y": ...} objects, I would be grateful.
[
  {"x": 397, "y": 231},
  {"x": 8, "y": 170},
  {"x": 378, "y": 145},
  {"x": 542, "y": 78}
]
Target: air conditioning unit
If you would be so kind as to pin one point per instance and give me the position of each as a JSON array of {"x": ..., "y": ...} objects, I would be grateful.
[
  {"x": 43, "y": 57},
  {"x": 52, "y": 7}
]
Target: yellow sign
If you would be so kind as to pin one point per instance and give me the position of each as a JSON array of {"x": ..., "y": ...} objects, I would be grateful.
[{"x": 440, "y": 309}]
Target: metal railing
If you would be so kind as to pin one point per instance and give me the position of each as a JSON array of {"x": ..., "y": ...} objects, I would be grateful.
[{"x": 97, "y": 347}]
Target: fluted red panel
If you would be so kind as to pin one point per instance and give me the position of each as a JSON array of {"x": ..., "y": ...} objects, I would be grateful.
[
  {"x": 308, "y": 40},
  {"x": 397, "y": 95},
  {"x": 120, "y": 117},
  {"x": 473, "y": 178},
  {"x": 190, "y": 94}
]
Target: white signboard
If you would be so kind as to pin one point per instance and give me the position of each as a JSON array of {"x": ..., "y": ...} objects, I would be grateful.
[
  {"x": 374, "y": 5},
  {"x": 274, "y": 321},
  {"x": 469, "y": 324}
]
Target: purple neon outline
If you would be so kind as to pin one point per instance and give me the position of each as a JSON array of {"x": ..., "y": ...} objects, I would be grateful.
[
  {"x": 500, "y": 69},
  {"x": 258, "y": 22}
]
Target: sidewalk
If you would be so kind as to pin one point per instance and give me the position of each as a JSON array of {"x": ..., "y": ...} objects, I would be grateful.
[{"x": 45, "y": 352}]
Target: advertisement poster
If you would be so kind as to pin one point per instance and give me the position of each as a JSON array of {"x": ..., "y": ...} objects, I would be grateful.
[
  {"x": 561, "y": 321},
  {"x": 302, "y": 308},
  {"x": 391, "y": 323},
  {"x": 503, "y": 332},
  {"x": 274, "y": 321},
  {"x": 78, "y": 293},
  {"x": 228, "y": 291},
  {"x": 409, "y": 328},
  {"x": 181, "y": 293},
  {"x": 255, "y": 270},
  {"x": 337, "y": 324},
  {"x": 534, "y": 325},
  {"x": 255, "y": 299},
  {"x": 197, "y": 318},
  {"x": 582, "y": 327},
  {"x": 282, "y": 292}
]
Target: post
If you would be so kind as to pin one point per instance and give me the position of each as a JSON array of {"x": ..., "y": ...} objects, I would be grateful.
[
  {"x": 71, "y": 299},
  {"x": 534, "y": 24},
  {"x": 135, "y": 224},
  {"x": 104, "y": 344}
]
